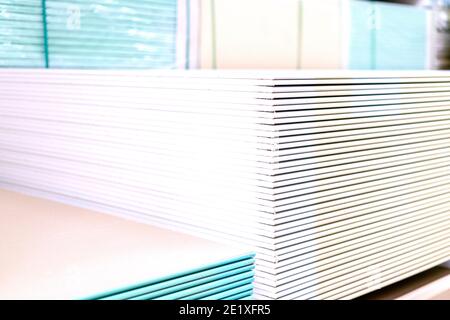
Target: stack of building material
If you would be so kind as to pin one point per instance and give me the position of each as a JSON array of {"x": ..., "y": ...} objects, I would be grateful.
[
  {"x": 339, "y": 180},
  {"x": 21, "y": 34}
]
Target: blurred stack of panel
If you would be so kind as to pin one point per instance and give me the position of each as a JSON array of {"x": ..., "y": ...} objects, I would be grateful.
[
  {"x": 339, "y": 180},
  {"x": 21, "y": 34}
]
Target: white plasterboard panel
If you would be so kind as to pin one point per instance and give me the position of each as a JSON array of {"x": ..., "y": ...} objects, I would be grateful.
[
  {"x": 321, "y": 290},
  {"x": 345, "y": 251},
  {"x": 324, "y": 270}
]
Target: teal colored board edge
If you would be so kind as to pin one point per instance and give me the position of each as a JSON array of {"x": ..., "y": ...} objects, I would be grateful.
[
  {"x": 168, "y": 277},
  {"x": 230, "y": 293},
  {"x": 190, "y": 290},
  {"x": 191, "y": 280},
  {"x": 196, "y": 296}
]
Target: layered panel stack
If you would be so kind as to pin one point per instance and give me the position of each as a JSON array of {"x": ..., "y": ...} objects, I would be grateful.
[
  {"x": 21, "y": 34},
  {"x": 92, "y": 34},
  {"x": 112, "y": 33},
  {"x": 339, "y": 180},
  {"x": 77, "y": 253}
]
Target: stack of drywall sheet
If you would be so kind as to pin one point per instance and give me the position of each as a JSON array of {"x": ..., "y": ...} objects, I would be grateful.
[
  {"x": 339, "y": 180},
  {"x": 54, "y": 251}
]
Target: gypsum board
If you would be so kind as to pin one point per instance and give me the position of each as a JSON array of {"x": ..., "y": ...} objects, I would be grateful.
[
  {"x": 293, "y": 238},
  {"x": 358, "y": 134},
  {"x": 395, "y": 269},
  {"x": 291, "y": 180},
  {"x": 318, "y": 145},
  {"x": 359, "y": 198},
  {"x": 363, "y": 156},
  {"x": 227, "y": 98},
  {"x": 293, "y": 253},
  {"x": 120, "y": 137},
  {"x": 97, "y": 106},
  {"x": 234, "y": 176},
  {"x": 161, "y": 186},
  {"x": 150, "y": 102},
  {"x": 189, "y": 281},
  {"x": 249, "y": 167},
  {"x": 221, "y": 95},
  {"x": 190, "y": 153},
  {"x": 192, "y": 285},
  {"x": 314, "y": 196},
  {"x": 215, "y": 293},
  {"x": 353, "y": 115},
  {"x": 138, "y": 117},
  {"x": 363, "y": 173},
  {"x": 247, "y": 228},
  {"x": 219, "y": 77},
  {"x": 196, "y": 84},
  {"x": 350, "y": 128},
  {"x": 189, "y": 150},
  {"x": 236, "y": 287},
  {"x": 210, "y": 234},
  {"x": 133, "y": 7},
  {"x": 195, "y": 105},
  {"x": 172, "y": 282},
  {"x": 107, "y": 132},
  {"x": 115, "y": 114},
  {"x": 361, "y": 290},
  {"x": 135, "y": 203},
  {"x": 216, "y": 163},
  {"x": 363, "y": 178},
  {"x": 239, "y": 150},
  {"x": 328, "y": 286},
  {"x": 289, "y": 296},
  {"x": 187, "y": 147},
  {"x": 323, "y": 176},
  {"x": 261, "y": 102},
  {"x": 346, "y": 257},
  {"x": 254, "y": 187},
  {"x": 257, "y": 131},
  {"x": 166, "y": 186},
  {"x": 274, "y": 153},
  {"x": 201, "y": 87},
  {"x": 332, "y": 216},
  {"x": 331, "y": 124},
  {"x": 231, "y": 288},
  {"x": 244, "y": 290},
  {"x": 353, "y": 241},
  {"x": 233, "y": 281},
  {"x": 298, "y": 253},
  {"x": 198, "y": 87},
  {"x": 309, "y": 281},
  {"x": 245, "y": 295},
  {"x": 329, "y": 215},
  {"x": 274, "y": 75},
  {"x": 316, "y": 201},
  {"x": 249, "y": 223}
]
